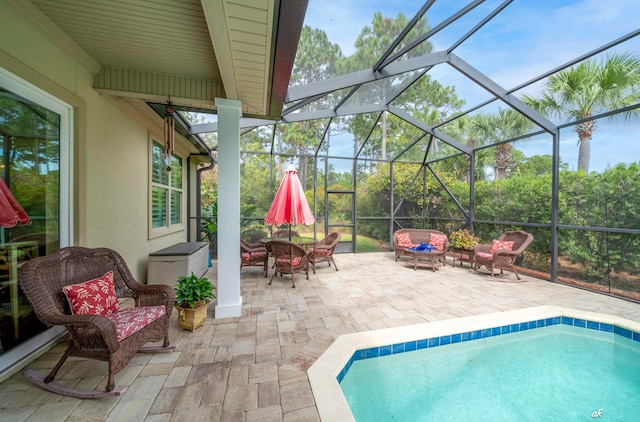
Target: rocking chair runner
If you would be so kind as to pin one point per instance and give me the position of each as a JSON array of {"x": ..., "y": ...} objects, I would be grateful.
[{"x": 111, "y": 338}]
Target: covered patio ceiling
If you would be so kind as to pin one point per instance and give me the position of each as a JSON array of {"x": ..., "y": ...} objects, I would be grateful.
[{"x": 191, "y": 51}]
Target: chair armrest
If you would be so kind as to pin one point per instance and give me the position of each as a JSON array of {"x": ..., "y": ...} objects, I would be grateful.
[
  {"x": 506, "y": 252},
  {"x": 481, "y": 248},
  {"x": 105, "y": 327},
  {"x": 252, "y": 249},
  {"x": 155, "y": 294},
  {"x": 255, "y": 245}
]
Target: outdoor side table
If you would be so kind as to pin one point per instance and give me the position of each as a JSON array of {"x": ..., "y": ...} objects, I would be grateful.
[
  {"x": 429, "y": 256},
  {"x": 463, "y": 255}
]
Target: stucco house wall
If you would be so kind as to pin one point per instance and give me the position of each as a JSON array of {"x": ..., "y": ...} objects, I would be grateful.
[{"x": 111, "y": 147}]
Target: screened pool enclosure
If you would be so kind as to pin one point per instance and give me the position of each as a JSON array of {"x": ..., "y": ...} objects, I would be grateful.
[{"x": 448, "y": 119}]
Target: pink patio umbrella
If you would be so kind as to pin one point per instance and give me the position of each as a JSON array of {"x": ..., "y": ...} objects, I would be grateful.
[
  {"x": 11, "y": 212},
  {"x": 290, "y": 206}
]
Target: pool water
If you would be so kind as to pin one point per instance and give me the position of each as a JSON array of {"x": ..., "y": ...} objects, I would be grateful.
[{"x": 557, "y": 372}]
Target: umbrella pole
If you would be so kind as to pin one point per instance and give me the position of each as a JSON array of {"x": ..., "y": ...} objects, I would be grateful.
[{"x": 289, "y": 232}]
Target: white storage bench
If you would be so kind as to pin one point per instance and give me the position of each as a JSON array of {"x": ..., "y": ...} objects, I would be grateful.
[{"x": 166, "y": 265}]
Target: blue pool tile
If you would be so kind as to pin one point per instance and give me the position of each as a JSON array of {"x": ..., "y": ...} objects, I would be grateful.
[
  {"x": 567, "y": 320},
  {"x": 515, "y": 328},
  {"x": 373, "y": 352},
  {"x": 466, "y": 336},
  {"x": 359, "y": 354},
  {"x": 579, "y": 322},
  {"x": 476, "y": 335},
  {"x": 456, "y": 338},
  {"x": 485, "y": 333},
  {"x": 549, "y": 321},
  {"x": 422, "y": 344},
  {"x": 532, "y": 324},
  {"x": 505, "y": 329},
  {"x": 445, "y": 340},
  {"x": 635, "y": 336},
  {"x": 592, "y": 325},
  {"x": 557, "y": 320},
  {"x": 622, "y": 331},
  {"x": 606, "y": 327},
  {"x": 524, "y": 326},
  {"x": 495, "y": 331},
  {"x": 434, "y": 342},
  {"x": 385, "y": 350},
  {"x": 397, "y": 348},
  {"x": 409, "y": 346}
]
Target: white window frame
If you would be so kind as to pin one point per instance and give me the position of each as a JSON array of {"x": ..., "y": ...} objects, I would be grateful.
[{"x": 155, "y": 232}]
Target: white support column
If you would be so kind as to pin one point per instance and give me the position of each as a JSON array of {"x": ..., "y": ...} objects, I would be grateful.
[{"x": 229, "y": 299}]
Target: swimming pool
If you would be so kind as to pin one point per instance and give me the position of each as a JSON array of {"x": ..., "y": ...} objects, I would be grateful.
[{"x": 334, "y": 363}]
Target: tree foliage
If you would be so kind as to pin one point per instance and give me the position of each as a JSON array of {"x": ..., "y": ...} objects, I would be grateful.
[{"x": 590, "y": 88}]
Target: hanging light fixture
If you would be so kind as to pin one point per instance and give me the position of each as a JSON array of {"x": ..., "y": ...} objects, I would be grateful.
[{"x": 169, "y": 133}]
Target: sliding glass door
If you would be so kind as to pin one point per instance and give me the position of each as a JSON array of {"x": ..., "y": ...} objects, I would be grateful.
[{"x": 34, "y": 198}]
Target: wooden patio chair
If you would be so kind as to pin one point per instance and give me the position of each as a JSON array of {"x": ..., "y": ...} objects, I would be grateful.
[
  {"x": 323, "y": 251},
  {"x": 254, "y": 254},
  {"x": 79, "y": 288},
  {"x": 498, "y": 255},
  {"x": 289, "y": 259}
]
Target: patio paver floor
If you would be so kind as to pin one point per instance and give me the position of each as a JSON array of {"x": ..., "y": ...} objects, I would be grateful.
[{"x": 253, "y": 368}]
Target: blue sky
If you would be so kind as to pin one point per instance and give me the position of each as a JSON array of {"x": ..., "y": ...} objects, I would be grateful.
[{"x": 526, "y": 39}]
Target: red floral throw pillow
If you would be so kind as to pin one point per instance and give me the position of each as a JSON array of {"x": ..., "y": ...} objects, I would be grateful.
[
  {"x": 404, "y": 240},
  {"x": 93, "y": 297},
  {"x": 437, "y": 240},
  {"x": 501, "y": 244}
]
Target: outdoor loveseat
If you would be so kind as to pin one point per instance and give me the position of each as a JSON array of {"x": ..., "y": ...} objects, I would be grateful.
[
  {"x": 417, "y": 236},
  {"x": 83, "y": 289}
]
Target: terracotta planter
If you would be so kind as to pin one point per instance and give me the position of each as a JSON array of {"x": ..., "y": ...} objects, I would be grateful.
[{"x": 192, "y": 318}]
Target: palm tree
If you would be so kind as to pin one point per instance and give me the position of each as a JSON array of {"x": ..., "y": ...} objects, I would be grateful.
[
  {"x": 507, "y": 124},
  {"x": 466, "y": 130},
  {"x": 591, "y": 88}
]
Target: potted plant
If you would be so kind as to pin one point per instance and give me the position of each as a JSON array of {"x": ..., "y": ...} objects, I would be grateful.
[
  {"x": 193, "y": 295},
  {"x": 463, "y": 239}
]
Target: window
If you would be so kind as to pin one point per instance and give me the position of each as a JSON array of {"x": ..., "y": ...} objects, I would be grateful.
[{"x": 166, "y": 188}]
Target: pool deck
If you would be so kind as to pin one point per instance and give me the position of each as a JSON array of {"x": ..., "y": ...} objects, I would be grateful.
[{"x": 254, "y": 368}]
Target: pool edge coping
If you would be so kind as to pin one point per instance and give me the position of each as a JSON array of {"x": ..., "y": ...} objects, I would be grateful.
[{"x": 330, "y": 401}]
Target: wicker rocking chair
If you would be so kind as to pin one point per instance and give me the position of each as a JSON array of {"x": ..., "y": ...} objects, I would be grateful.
[
  {"x": 323, "y": 250},
  {"x": 254, "y": 254},
  {"x": 502, "y": 258},
  {"x": 57, "y": 286},
  {"x": 289, "y": 259}
]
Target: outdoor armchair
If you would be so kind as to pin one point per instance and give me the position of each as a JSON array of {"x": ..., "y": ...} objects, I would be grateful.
[
  {"x": 289, "y": 259},
  {"x": 323, "y": 250},
  {"x": 254, "y": 254},
  {"x": 498, "y": 255}
]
